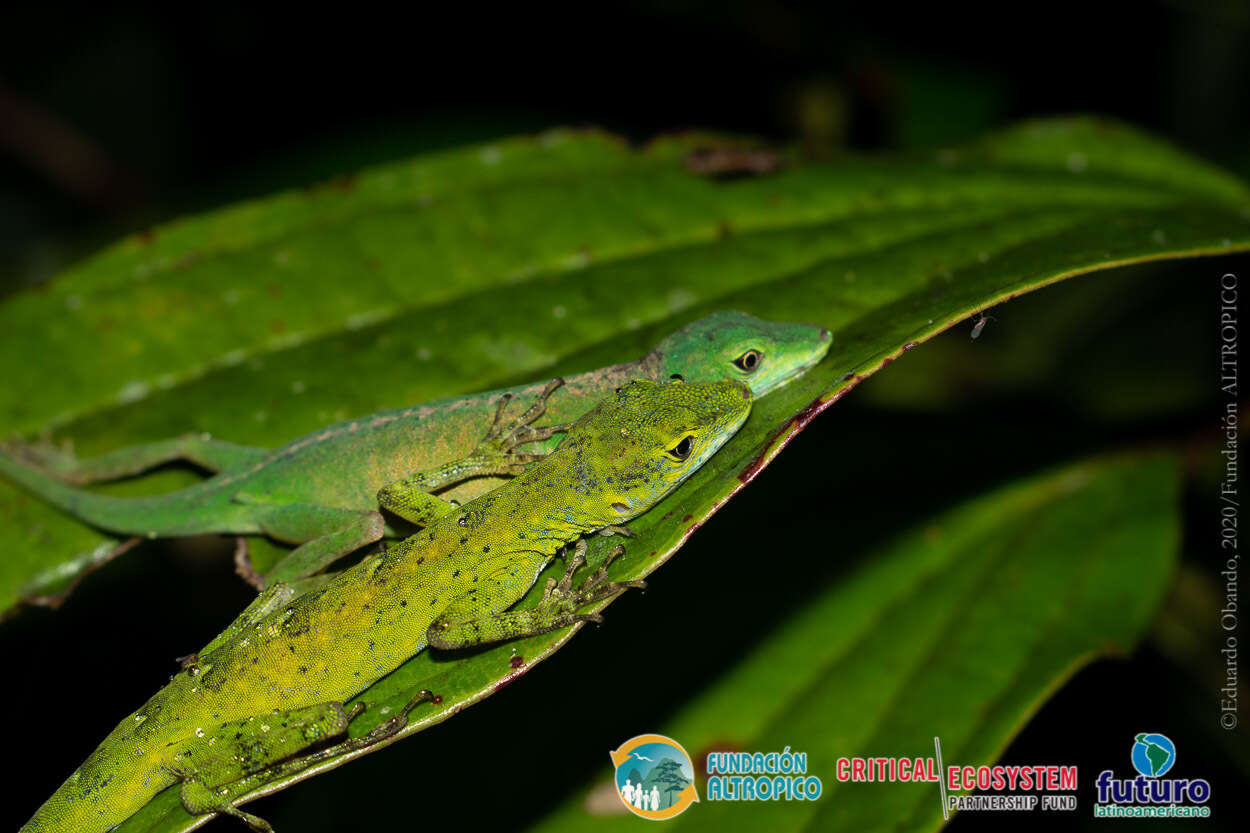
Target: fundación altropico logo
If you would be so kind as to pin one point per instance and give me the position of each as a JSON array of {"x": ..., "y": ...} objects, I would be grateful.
[
  {"x": 1149, "y": 794},
  {"x": 654, "y": 777}
]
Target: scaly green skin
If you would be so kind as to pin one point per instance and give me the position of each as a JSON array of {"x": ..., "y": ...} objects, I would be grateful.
[
  {"x": 272, "y": 686},
  {"x": 319, "y": 491}
]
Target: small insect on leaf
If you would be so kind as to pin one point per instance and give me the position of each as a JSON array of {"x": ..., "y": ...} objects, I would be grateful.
[
  {"x": 979, "y": 324},
  {"x": 725, "y": 162}
]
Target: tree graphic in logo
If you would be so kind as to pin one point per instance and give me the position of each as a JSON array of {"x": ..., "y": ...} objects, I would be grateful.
[{"x": 654, "y": 777}]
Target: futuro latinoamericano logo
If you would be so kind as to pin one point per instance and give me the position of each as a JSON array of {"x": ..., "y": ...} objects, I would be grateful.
[{"x": 1149, "y": 795}]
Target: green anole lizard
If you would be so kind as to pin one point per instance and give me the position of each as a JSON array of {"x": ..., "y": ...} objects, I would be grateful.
[
  {"x": 318, "y": 491},
  {"x": 272, "y": 686}
]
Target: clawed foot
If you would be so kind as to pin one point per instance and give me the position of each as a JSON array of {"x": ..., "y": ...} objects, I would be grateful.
[
  {"x": 561, "y": 599},
  {"x": 503, "y": 439},
  {"x": 392, "y": 726}
]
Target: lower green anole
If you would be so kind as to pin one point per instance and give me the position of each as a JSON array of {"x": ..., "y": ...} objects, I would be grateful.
[
  {"x": 265, "y": 697},
  {"x": 318, "y": 491}
]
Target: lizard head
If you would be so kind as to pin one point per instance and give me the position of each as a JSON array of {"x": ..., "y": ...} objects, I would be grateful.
[
  {"x": 641, "y": 443},
  {"x": 763, "y": 355}
]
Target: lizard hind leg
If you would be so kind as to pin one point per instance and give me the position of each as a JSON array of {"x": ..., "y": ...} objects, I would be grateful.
[
  {"x": 258, "y": 750},
  {"x": 199, "y": 799},
  {"x": 324, "y": 535},
  {"x": 199, "y": 449},
  {"x": 221, "y": 765}
]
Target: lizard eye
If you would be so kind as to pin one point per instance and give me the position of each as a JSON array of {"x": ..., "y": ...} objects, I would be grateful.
[
  {"x": 748, "y": 361},
  {"x": 682, "y": 450}
]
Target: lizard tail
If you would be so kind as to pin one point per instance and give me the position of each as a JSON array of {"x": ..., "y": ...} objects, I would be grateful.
[{"x": 171, "y": 514}]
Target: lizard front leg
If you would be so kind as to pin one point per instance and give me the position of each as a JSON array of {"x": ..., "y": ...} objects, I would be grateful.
[
  {"x": 496, "y": 455},
  {"x": 328, "y": 533},
  {"x": 480, "y": 616}
]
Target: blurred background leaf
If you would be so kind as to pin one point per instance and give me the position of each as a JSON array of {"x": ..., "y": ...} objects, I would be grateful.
[
  {"x": 961, "y": 627},
  {"x": 885, "y": 252},
  {"x": 478, "y": 267},
  {"x": 192, "y": 108}
]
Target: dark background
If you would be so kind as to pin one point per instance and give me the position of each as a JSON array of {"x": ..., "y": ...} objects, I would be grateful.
[{"x": 112, "y": 121}]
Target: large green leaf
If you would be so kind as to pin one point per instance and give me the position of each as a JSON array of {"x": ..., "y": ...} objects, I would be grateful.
[
  {"x": 468, "y": 269},
  {"x": 471, "y": 269},
  {"x": 960, "y": 628}
]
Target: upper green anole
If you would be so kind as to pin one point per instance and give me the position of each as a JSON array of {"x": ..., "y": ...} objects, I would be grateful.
[
  {"x": 318, "y": 491},
  {"x": 271, "y": 687}
]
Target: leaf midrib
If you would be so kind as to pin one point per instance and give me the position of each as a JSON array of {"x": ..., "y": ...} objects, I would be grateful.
[{"x": 396, "y": 312}]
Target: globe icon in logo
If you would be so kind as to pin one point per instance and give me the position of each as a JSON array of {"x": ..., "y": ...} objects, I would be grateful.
[{"x": 1153, "y": 754}]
